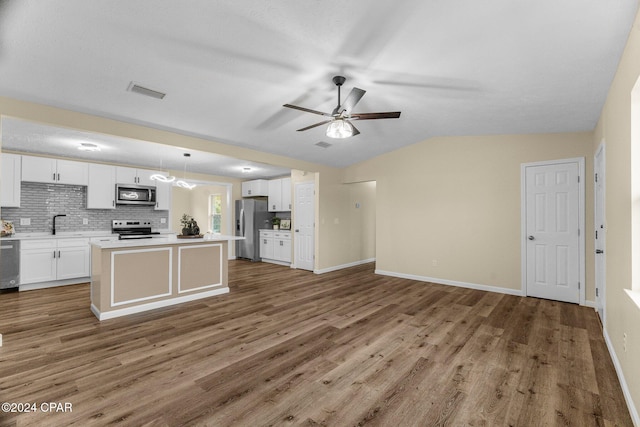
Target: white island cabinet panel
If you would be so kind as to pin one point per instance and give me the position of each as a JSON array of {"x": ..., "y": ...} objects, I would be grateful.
[{"x": 11, "y": 176}]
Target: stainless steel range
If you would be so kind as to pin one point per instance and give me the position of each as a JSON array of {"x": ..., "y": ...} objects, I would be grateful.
[{"x": 133, "y": 229}]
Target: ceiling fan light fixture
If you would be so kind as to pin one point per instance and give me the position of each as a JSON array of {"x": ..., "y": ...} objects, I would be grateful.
[{"x": 339, "y": 129}]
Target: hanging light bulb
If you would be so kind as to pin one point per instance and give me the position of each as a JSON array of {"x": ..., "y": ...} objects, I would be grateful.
[{"x": 339, "y": 128}]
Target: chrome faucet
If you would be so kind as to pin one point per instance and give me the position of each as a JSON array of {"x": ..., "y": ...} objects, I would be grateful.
[{"x": 54, "y": 222}]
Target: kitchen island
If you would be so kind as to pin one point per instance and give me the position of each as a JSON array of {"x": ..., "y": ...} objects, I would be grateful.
[{"x": 132, "y": 276}]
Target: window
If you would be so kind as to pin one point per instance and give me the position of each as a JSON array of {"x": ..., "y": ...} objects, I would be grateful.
[{"x": 215, "y": 213}]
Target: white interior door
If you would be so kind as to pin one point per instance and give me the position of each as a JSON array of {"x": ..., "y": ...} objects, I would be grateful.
[
  {"x": 304, "y": 226},
  {"x": 552, "y": 231},
  {"x": 600, "y": 232}
]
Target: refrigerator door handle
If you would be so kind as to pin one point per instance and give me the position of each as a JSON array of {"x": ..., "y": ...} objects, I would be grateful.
[{"x": 242, "y": 222}]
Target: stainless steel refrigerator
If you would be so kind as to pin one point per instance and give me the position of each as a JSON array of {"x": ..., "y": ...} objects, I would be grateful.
[{"x": 251, "y": 216}]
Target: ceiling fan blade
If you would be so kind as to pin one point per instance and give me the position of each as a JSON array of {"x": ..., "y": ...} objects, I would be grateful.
[
  {"x": 352, "y": 99},
  {"x": 370, "y": 116},
  {"x": 317, "y": 124},
  {"x": 295, "y": 107}
]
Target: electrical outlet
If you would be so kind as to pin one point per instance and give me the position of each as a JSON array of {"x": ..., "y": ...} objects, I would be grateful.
[
  {"x": 85, "y": 221},
  {"x": 163, "y": 220},
  {"x": 25, "y": 221},
  {"x": 434, "y": 262},
  {"x": 357, "y": 205}
]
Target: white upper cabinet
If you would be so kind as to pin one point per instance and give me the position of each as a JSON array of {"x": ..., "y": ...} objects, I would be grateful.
[
  {"x": 275, "y": 195},
  {"x": 286, "y": 194},
  {"x": 163, "y": 194},
  {"x": 255, "y": 188},
  {"x": 10, "y": 180},
  {"x": 144, "y": 177},
  {"x": 44, "y": 169},
  {"x": 280, "y": 195},
  {"x": 135, "y": 176},
  {"x": 101, "y": 190}
]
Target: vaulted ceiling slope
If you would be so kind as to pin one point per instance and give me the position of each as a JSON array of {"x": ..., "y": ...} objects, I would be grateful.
[{"x": 461, "y": 67}]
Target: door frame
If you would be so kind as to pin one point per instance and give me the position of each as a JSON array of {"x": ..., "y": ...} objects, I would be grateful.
[
  {"x": 581, "y": 221},
  {"x": 601, "y": 287}
]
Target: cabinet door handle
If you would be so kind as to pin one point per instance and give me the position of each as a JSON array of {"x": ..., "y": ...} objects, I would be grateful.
[
  {"x": 54, "y": 254},
  {"x": 58, "y": 254},
  {"x": 58, "y": 177},
  {"x": 281, "y": 243},
  {"x": 53, "y": 177}
]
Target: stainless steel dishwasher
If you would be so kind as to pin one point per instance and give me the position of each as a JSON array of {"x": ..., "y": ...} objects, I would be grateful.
[{"x": 9, "y": 264}]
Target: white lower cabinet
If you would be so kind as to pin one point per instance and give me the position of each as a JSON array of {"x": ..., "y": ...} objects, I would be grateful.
[
  {"x": 266, "y": 244},
  {"x": 49, "y": 260},
  {"x": 275, "y": 246}
]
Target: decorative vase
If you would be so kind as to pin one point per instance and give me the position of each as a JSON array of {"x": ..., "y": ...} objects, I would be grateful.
[
  {"x": 276, "y": 227},
  {"x": 186, "y": 231}
]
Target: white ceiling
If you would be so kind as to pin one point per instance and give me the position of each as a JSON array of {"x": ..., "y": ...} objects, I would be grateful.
[
  {"x": 30, "y": 137},
  {"x": 459, "y": 67}
]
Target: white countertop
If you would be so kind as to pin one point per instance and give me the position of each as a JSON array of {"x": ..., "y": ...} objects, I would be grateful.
[
  {"x": 169, "y": 239},
  {"x": 71, "y": 234},
  {"x": 277, "y": 231}
]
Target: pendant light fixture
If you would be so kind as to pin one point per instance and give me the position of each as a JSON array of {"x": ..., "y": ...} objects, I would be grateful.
[{"x": 182, "y": 182}]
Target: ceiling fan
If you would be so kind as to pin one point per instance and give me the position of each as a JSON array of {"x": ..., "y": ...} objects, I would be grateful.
[{"x": 340, "y": 125}]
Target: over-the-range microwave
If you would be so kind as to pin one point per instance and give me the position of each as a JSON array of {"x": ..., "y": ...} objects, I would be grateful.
[{"x": 127, "y": 194}]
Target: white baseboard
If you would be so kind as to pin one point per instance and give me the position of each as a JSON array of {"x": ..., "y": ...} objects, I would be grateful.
[
  {"x": 340, "y": 267},
  {"x": 623, "y": 383},
  {"x": 479, "y": 287},
  {"x": 591, "y": 304},
  {"x": 153, "y": 305},
  {"x": 274, "y": 261},
  {"x": 54, "y": 284}
]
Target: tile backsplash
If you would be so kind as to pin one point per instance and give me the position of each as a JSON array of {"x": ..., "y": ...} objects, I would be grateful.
[{"x": 40, "y": 202}]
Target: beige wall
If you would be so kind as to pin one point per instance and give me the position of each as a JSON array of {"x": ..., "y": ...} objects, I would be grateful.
[
  {"x": 195, "y": 203},
  {"x": 622, "y": 213},
  {"x": 449, "y": 208}
]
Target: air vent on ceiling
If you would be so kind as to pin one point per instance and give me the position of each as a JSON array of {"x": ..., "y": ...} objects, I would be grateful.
[
  {"x": 136, "y": 88},
  {"x": 323, "y": 144}
]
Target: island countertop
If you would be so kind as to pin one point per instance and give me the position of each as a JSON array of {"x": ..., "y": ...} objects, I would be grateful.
[{"x": 166, "y": 239}]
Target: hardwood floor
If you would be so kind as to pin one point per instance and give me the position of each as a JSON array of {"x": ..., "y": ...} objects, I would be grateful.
[{"x": 287, "y": 347}]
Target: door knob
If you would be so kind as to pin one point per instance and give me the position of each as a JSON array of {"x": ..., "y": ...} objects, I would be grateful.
[
  {"x": 531, "y": 238},
  {"x": 599, "y": 251}
]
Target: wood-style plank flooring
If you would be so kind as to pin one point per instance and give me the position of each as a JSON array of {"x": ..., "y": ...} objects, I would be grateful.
[{"x": 287, "y": 347}]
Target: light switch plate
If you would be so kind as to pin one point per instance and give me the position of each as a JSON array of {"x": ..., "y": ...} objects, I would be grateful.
[
  {"x": 163, "y": 220},
  {"x": 25, "y": 221},
  {"x": 85, "y": 221}
]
